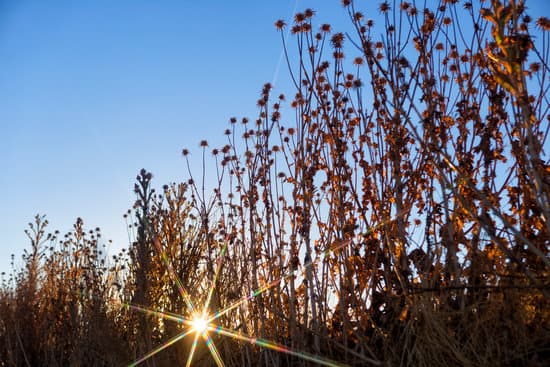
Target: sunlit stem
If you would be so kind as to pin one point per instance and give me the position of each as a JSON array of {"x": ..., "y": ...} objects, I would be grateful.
[
  {"x": 161, "y": 347},
  {"x": 275, "y": 346},
  {"x": 266, "y": 287},
  {"x": 272, "y": 284},
  {"x": 246, "y": 299}
]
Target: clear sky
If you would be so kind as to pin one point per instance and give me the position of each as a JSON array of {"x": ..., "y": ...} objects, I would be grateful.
[{"x": 93, "y": 91}]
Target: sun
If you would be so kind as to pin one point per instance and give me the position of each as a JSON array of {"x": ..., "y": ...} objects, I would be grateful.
[{"x": 199, "y": 323}]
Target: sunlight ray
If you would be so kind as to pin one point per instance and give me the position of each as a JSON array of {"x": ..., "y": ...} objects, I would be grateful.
[
  {"x": 212, "y": 347},
  {"x": 257, "y": 292},
  {"x": 275, "y": 346},
  {"x": 193, "y": 348},
  {"x": 161, "y": 347},
  {"x": 165, "y": 315}
]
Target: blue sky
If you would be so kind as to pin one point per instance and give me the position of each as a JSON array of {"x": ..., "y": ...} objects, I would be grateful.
[{"x": 93, "y": 91}]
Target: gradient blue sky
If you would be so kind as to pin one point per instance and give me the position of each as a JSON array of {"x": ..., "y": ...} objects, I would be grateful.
[{"x": 93, "y": 91}]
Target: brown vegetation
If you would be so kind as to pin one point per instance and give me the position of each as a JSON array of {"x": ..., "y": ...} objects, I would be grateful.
[{"x": 401, "y": 219}]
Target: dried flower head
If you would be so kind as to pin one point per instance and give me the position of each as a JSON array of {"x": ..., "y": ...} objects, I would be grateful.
[
  {"x": 338, "y": 40},
  {"x": 534, "y": 67},
  {"x": 280, "y": 24},
  {"x": 309, "y": 13},
  {"x": 543, "y": 23},
  {"x": 299, "y": 17},
  {"x": 384, "y": 7}
]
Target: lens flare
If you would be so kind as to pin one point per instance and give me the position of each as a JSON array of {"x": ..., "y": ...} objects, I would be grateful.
[
  {"x": 199, "y": 324},
  {"x": 276, "y": 347},
  {"x": 160, "y": 348}
]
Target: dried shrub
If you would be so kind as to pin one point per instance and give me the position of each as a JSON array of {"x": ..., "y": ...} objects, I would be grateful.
[{"x": 402, "y": 218}]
